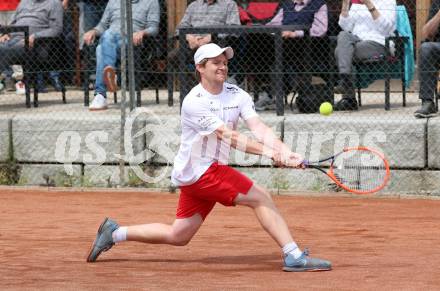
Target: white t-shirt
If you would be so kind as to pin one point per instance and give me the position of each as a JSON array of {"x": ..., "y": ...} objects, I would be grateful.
[
  {"x": 361, "y": 23},
  {"x": 202, "y": 113}
]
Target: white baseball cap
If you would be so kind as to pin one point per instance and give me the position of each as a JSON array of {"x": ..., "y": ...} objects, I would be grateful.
[{"x": 211, "y": 50}]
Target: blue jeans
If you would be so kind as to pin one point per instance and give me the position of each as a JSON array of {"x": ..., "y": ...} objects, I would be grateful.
[
  {"x": 12, "y": 52},
  {"x": 107, "y": 54}
]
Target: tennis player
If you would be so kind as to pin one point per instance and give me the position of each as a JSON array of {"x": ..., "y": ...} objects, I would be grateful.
[{"x": 209, "y": 117}]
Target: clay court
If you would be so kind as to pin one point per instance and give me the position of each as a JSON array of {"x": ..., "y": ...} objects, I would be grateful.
[{"x": 373, "y": 243}]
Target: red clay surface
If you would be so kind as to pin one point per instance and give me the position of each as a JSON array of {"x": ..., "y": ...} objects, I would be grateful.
[{"x": 374, "y": 244}]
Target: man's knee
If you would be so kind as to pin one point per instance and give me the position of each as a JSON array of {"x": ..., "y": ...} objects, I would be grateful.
[
  {"x": 259, "y": 196},
  {"x": 181, "y": 238},
  {"x": 343, "y": 36},
  {"x": 107, "y": 37},
  {"x": 180, "y": 241},
  {"x": 429, "y": 50}
]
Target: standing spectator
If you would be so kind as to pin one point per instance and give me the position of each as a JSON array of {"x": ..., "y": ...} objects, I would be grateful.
[
  {"x": 365, "y": 25},
  {"x": 146, "y": 15},
  {"x": 429, "y": 62},
  {"x": 44, "y": 19}
]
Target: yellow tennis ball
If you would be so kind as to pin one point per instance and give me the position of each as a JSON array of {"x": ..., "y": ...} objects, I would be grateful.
[{"x": 326, "y": 108}]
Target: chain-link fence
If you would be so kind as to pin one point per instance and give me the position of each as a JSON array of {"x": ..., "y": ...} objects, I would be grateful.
[{"x": 290, "y": 56}]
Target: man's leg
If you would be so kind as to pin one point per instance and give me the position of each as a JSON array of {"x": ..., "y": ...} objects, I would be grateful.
[
  {"x": 106, "y": 55},
  {"x": 177, "y": 234},
  {"x": 274, "y": 224},
  {"x": 429, "y": 64},
  {"x": 344, "y": 53},
  {"x": 267, "y": 213}
]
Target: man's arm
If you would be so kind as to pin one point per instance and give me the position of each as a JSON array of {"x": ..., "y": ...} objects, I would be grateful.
[
  {"x": 153, "y": 19},
  {"x": 384, "y": 15},
  {"x": 104, "y": 23},
  {"x": 430, "y": 29},
  {"x": 151, "y": 26},
  {"x": 248, "y": 145},
  {"x": 186, "y": 19},
  {"x": 232, "y": 16},
  {"x": 265, "y": 134},
  {"x": 345, "y": 19},
  {"x": 55, "y": 22}
]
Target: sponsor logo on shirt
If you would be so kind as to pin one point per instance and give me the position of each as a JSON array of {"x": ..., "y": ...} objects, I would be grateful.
[{"x": 233, "y": 90}]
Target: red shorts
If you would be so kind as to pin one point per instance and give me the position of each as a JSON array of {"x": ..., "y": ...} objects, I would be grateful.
[{"x": 220, "y": 183}]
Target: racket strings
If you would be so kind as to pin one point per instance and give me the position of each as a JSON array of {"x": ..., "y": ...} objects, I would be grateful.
[{"x": 360, "y": 170}]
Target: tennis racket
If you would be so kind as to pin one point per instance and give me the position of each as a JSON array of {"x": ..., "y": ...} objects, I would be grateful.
[{"x": 359, "y": 170}]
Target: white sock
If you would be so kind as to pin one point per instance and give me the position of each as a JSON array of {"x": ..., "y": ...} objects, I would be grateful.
[
  {"x": 293, "y": 249},
  {"x": 120, "y": 234}
]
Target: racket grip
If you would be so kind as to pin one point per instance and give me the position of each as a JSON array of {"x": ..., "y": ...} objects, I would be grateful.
[{"x": 304, "y": 164}]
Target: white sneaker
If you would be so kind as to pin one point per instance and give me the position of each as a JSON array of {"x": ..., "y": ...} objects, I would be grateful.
[
  {"x": 98, "y": 103},
  {"x": 19, "y": 88},
  {"x": 17, "y": 72}
]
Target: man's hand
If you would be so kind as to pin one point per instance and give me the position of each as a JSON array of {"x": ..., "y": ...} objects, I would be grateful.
[
  {"x": 345, "y": 8},
  {"x": 4, "y": 38},
  {"x": 195, "y": 41},
  {"x": 287, "y": 159},
  {"x": 31, "y": 41},
  {"x": 65, "y": 4},
  {"x": 201, "y": 40},
  {"x": 294, "y": 160},
  {"x": 288, "y": 34},
  {"x": 89, "y": 37},
  {"x": 192, "y": 41},
  {"x": 138, "y": 37}
]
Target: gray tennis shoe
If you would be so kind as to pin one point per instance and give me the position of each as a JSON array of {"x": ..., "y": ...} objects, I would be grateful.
[
  {"x": 304, "y": 263},
  {"x": 104, "y": 239}
]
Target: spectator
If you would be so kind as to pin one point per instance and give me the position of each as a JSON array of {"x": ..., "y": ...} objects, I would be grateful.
[
  {"x": 311, "y": 13},
  {"x": 429, "y": 62},
  {"x": 204, "y": 13},
  {"x": 7, "y": 9},
  {"x": 145, "y": 24},
  {"x": 44, "y": 19},
  {"x": 365, "y": 25}
]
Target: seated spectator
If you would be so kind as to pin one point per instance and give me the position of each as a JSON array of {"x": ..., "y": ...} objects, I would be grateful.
[
  {"x": 146, "y": 15},
  {"x": 44, "y": 19},
  {"x": 365, "y": 25},
  {"x": 90, "y": 13},
  {"x": 429, "y": 62},
  {"x": 204, "y": 13},
  {"x": 311, "y": 13}
]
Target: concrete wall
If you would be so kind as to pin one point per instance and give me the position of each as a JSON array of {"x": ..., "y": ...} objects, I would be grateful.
[
  {"x": 4, "y": 139},
  {"x": 39, "y": 141}
]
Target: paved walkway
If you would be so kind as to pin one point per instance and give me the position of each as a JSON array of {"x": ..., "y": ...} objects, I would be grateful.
[{"x": 373, "y": 103}]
